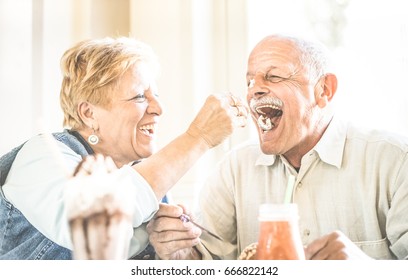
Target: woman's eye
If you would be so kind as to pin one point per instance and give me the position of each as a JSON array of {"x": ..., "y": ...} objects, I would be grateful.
[{"x": 139, "y": 98}]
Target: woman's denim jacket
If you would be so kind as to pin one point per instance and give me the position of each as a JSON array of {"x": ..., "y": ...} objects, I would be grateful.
[
  {"x": 22, "y": 241},
  {"x": 18, "y": 238}
]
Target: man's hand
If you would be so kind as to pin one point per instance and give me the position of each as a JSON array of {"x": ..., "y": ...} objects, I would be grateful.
[
  {"x": 171, "y": 237},
  {"x": 334, "y": 246}
]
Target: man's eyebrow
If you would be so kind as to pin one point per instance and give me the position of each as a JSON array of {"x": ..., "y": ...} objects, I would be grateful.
[{"x": 272, "y": 67}]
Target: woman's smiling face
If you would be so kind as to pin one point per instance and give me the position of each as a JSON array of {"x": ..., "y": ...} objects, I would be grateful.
[{"x": 128, "y": 127}]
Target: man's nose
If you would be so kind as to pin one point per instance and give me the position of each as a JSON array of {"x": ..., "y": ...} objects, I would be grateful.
[{"x": 257, "y": 86}]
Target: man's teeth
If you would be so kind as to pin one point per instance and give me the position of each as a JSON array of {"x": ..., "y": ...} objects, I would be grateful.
[
  {"x": 265, "y": 102},
  {"x": 265, "y": 123},
  {"x": 266, "y": 106}
]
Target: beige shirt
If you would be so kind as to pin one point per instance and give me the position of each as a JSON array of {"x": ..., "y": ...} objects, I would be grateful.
[{"x": 354, "y": 180}]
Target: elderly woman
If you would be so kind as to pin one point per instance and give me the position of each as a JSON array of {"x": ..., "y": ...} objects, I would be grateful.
[{"x": 110, "y": 104}]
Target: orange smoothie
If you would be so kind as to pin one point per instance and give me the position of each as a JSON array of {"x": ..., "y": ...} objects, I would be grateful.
[{"x": 279, "y": 240}]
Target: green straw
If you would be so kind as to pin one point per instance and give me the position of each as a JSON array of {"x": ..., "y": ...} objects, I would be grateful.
[{"x": 289, "y": 189}]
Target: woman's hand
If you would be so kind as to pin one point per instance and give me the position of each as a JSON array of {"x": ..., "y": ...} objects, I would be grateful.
[
  {"x": 212, "y": 125},
  {"x": 217, "y": 119}
]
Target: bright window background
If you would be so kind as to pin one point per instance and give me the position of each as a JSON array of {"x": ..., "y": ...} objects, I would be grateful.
[{"x": 369, "y": 42}]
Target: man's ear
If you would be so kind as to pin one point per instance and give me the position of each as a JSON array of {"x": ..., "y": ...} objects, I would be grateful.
[
  {"x": 327, "y": 87},
  {"x": 86, "y": 112}
]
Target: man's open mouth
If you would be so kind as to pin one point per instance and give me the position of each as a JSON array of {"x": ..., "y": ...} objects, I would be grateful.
[{"x": 269, "y": 110}]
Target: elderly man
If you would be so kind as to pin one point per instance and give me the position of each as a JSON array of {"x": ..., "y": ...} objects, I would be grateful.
[{"x": 351, "y": 184}]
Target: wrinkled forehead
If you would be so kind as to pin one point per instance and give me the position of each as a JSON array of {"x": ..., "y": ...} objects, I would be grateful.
[
  {"x": 274, "y": 52},
  {"x": 137, "y": 79}
]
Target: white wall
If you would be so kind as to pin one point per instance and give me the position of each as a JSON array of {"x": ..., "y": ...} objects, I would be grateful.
[
  {"x": 16, "y": 110},
  {"x": 203, "y": 47},
  {"x": 371, "y": 51}
]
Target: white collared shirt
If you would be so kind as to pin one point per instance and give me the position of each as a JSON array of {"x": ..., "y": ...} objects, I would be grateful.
[{"x": 353, "y": 180}]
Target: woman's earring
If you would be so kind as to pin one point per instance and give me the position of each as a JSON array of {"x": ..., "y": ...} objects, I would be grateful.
[{"x": 93, "y": 139}]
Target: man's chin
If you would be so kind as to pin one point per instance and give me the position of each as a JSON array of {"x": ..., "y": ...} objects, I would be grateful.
[{"x": 267, "y": 149}]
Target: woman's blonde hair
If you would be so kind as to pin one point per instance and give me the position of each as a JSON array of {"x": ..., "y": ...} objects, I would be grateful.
[{"x": 92, "y": 69}]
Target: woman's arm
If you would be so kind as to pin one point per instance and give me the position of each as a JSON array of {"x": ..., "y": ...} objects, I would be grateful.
[{"x": 213, "y": 124}]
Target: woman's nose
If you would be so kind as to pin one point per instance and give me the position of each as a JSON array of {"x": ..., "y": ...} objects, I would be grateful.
[{"x": 155, "y": 106}]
